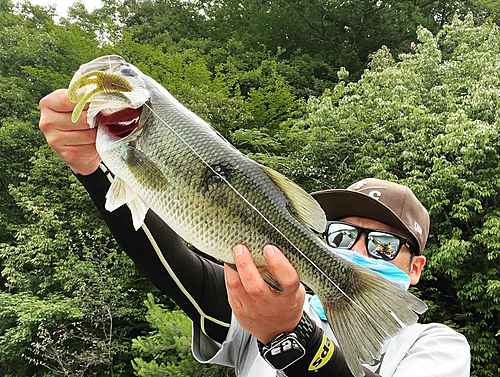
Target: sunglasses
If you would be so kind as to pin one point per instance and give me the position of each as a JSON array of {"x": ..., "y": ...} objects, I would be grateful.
[{"x": 380, "y": 244}]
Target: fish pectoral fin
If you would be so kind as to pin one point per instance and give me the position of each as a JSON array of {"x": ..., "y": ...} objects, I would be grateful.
[
  {"x": 118, "y": 194},
  {"x": 139, "y": 210},
  {"x": 304, "y": 207},
  {"x": 269, "y": 278},
  {"x": 140, "y": 164}
]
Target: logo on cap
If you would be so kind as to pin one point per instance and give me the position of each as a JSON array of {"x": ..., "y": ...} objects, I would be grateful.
[
  {"x": 375, "y": 194},
  {"x": 417, "y": 227},
  {"x": 358, "y": 185}
]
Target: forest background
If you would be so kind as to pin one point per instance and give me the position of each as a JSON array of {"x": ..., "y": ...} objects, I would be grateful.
[{"x": 325, "y": 91}]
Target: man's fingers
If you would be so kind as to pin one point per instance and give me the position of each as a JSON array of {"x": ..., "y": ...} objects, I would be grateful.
[
  {"x": 68, "y": 125},
  {"x": 236, "y": 293},
  {"x": 73, "y": 142},
  {"x": 279, "y": 266},
  {"x": 232, "y": 278},
  {"x": 58, "y": 101},
  {"x": 56, "y": 111},
  {"x": 62, "y": 121},
  {"x": 79, "y": 154},
  {"x": 80, "y": 137},
  {"x": 61, "y": 139},
  {"x": 249, "y": 274}
]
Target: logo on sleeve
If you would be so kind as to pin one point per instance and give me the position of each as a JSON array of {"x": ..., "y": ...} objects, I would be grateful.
[{"x": 324, "y": 354}]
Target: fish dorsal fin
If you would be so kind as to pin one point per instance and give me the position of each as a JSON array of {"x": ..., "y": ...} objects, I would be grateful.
[
  {"x": 119, "y": 194},
  {"x": 305, "y": 208}
]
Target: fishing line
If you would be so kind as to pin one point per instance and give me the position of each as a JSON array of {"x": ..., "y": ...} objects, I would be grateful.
[
  {"x": 264, "y": 217},
  {"x": 280, "y": 233}
]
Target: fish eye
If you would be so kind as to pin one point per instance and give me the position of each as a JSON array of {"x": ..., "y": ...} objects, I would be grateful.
[{"x": 127, "y": 71}]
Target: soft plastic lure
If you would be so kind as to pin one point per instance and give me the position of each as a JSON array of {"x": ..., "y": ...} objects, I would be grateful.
[{"x": 102, "y": 82}]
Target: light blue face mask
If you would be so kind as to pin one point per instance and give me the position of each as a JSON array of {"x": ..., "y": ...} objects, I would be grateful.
[{"x": 380, "y": 266}]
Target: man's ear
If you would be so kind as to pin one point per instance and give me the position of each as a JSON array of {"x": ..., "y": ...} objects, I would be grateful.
[{"x": 417, "y": 264}]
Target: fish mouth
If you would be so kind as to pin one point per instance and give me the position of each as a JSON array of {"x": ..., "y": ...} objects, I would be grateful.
[
  {"x": 110, "y": 85},
  {"x": 120, "y": 123}
]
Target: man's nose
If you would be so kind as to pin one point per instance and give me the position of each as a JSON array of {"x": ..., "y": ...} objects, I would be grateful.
[{"x": 360, "y": 246}]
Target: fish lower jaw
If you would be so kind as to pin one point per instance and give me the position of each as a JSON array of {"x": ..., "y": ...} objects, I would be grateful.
[{"x": 119, "y": 123}]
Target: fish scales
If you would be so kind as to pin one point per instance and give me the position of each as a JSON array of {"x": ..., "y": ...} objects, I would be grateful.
[
  {"x": 211, "y": 199},
  {"x": 215, "y": 197}
]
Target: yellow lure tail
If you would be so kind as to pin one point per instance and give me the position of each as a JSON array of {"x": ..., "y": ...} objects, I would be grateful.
[{"x": 103, "y": 82}]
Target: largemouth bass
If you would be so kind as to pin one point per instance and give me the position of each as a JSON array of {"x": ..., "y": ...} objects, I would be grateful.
[{"x": 167, "y": 159}]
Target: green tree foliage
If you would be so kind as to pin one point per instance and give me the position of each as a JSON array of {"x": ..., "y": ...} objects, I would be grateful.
[
  {"x": 315, "y": 38},
  {"x": 18, "y": 142},
  {"x": 335, "y": 33},
  {"x": 429, "y": 121},
  {"x": 167, "y": 349},
  {"x": 64, "y": 263},
  {"x": 269, "y": 76},
  {"x": 36, "y": 56}
]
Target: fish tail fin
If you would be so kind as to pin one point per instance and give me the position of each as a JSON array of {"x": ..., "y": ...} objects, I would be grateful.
[{"x": 365, "y": 319}]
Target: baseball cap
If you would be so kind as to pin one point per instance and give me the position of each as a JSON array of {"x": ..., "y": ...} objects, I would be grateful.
[{"x": 388, "y": 202}]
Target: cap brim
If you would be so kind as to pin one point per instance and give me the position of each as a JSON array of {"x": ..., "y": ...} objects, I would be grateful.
[{"x": 337, "y": 203}]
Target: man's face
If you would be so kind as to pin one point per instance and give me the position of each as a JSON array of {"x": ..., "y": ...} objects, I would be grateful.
[{"x": 404, "y": 261}]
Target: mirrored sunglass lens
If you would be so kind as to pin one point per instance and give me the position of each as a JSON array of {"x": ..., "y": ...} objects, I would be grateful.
[
  {"x": 382, "y": 244},
  {"x": 340, "y": 235}
]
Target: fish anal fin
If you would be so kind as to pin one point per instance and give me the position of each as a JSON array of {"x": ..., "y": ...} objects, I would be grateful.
[
  {"x": 119, "y": 194},
  {"x": 269, "y": 278},
  {"x": 304, "y": 207}
]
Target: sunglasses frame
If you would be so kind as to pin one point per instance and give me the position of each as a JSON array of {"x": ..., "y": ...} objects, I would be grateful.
[{"x": 366, "y": 231}]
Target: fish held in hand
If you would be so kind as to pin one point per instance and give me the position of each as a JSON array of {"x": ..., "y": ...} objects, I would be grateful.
[{"x": 166, "y": 158}]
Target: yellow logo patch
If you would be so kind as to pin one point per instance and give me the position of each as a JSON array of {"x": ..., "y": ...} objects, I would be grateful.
[{"x": 324, "y": 354}]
